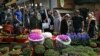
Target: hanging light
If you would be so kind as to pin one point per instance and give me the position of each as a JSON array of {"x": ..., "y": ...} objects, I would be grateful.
[
  {"x": 21, "y": 7},
  {"x": 25, "y": 6},
  {"x": 40, "y": 4},
  {"x": 36, "y": 5},
  {"x": 32, "y": 4}
]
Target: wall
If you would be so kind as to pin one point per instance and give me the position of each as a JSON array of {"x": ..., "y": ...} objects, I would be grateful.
[
  {"x": 97, "y": 6},
  {"x": 1, "y": 1},
  {"x": 46, "y": 3},
  {"x": 91, "y": 7}
]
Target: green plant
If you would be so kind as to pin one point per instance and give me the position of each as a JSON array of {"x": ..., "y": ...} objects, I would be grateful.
[
  {"x": 96, "y": 49},
  {"x": 93, "y": 44},
  {"x": 17, "y": 47},
  {"x": 27, "y": 52},
  {"x": 51, "y": 52},
  {"x": 98, "y": 42},
  {"x": 14, "y": 53},
  {"x": 89, "y": 51},
  {"x": 93, "y": 39},
  {"x": 21, "y": 36},
  {"x": 4, "y": 50},
  {"x": 83, "y": 54},
  {"x": 77, "y": 50},
  {"x": 48, "y": 43},
  {"x": 39, "y": 49},
  {"x": 66, "y": 50},
  {"x": 75, "y": 54}
]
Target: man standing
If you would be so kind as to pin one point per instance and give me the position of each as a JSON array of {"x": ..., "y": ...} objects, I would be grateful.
[
  {"x": 35, "y": 22},
  {"x": 17, "y": 20},
  {"x": 78, "y": 23},
  {"x": 18, "y": 17}
]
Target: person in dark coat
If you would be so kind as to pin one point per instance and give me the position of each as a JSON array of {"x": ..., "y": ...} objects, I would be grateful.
[
  {"x": 35, "y": 22},
  {"x": 91, "y": 25},
  {"x": 78, "y": 22},
  {"x": 26, "y": 19},
  {"x": 64, "y": 25},
  {"x": 2, "y": 18},
  {"x": 84, "y": 14}
]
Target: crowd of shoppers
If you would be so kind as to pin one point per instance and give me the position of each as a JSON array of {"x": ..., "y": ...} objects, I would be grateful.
[{"x": 50, "y": 20}]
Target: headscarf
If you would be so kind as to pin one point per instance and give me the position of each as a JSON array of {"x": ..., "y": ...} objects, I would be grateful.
[
  {"x": 59, "y": 16},
  {"x": 68, "y": 15},
  {"x": 91, "y": 16}
]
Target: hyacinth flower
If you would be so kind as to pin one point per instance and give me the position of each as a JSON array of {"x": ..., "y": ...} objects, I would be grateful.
[
  {"x": 73, "y": 36},
  {"x": 35, "y": 37},
  {"x": 85, "y": 35},
  {"x": 64, "y": 39},
  {"x": 79, "y": 38},
  {"x": 84, "y": 38}
]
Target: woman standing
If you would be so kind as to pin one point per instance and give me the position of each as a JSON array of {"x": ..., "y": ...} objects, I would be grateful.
[
  {"x": 64, "y": 25},
  {"x": 50, "y": 16},
  {"x": 57, "y": 21},
  {"x": 91, "y": 25},
  {"x": 70, "y": 23}
]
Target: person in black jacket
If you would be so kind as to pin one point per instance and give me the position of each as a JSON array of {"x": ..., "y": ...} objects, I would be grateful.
[
  {"x": 78, "y": 22},
  {"x": 35, "y": 23},
  {"x": 64, "y": 25}
]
